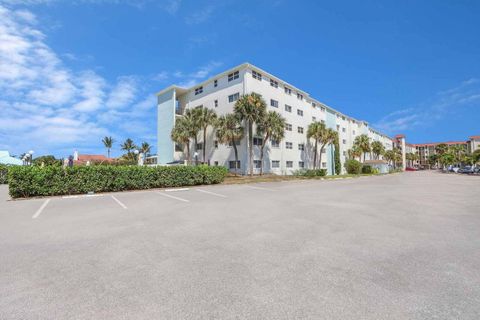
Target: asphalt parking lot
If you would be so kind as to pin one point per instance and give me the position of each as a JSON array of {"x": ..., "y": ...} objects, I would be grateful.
[{"x": 403, "y": 246}]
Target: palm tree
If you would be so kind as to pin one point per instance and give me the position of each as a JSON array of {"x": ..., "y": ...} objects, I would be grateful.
[
  {"x": 250, "y": 108},
  {"x": 206, "y": 118},
  {"x": 128, "y": 146},
  {"x": 441, "y": 148},
  {"x": 323, "y": 136},
  {"x": 272, "y": 126},
  {"x": 108, "y": 143},
  {"x": 389, "y": 156},
  {"x": 378, "y": 149},
  {"x": 182, "y": 133},
  {"x": 145, "y": 148},
  {"x": 363, "y": 143},
  {"x": 192, "y": 116},
  {"x": 354, "y": 152},
  {"x": 229, "y": 131}
]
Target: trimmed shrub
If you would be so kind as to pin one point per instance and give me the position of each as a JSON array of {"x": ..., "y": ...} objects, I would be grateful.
[
  {"x": 311, "y": 173},
  {"x": 3, "y": 173},
  {"x": 34, "y": 181},
  {"x": 353, "y": 166},
  {"x": 367, "y": 169}
]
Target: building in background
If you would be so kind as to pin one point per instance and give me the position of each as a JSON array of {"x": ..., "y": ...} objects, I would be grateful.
[
  {"x": 5, "y": 158},
  {"x": 298, "y": 108},
  {"x": 425, "y": 150}
]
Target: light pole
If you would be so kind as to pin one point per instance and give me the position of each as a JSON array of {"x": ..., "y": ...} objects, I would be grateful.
[{"x": 196, "y": 158}]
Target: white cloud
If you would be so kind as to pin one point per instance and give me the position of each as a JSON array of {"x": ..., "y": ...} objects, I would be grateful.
[
  {"x": 123, "y": 93},
  {"x": 445, "y": 102},
  {"x": 200, "y": 16},
  {"x": 172, "y": 6},
  {"x": 45, "y": 105}
]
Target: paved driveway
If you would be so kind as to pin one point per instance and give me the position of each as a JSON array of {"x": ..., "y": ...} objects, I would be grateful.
[{"x": 404, "y": 246}]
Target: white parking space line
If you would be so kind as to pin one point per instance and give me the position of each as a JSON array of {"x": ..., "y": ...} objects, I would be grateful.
[
  {"x": 172, "y": 197},
  {"x": 259, "y": 188},
  {"x": 177, "y": 189},
  {"x": 212, "y": 193},
  {"x": 40, "y": 209},
  {"x": 119, "y": 203}
]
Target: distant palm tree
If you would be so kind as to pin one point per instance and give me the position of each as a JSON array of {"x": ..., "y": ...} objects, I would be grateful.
[
  {"x": 108, "y": 143},
  {"x": 378, "y": 149},
  {"x": 322, "y": 136},
  {"x": 229, "y": 131},
  {"x": 145, "y": 148},
  {"x": 250, "y": 108},
  {"x": 182, "y": 133},
  {"x": 128, "y": 146},
  {"x": 363, "y": 143},
  {"x": 272, "y": 126},
  {"x": 206, "y": 118}
]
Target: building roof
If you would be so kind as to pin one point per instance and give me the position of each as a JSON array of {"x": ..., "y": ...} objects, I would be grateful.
[
  {"x": 475, "y": 137},
  {"x": 5, "y": 158}
]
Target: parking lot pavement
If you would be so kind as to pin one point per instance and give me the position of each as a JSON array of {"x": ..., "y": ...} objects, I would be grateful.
[{"x": 403, "y": 246}]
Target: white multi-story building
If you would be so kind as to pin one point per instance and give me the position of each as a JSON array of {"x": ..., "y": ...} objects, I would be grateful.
[{"x": 294, "y": 152}]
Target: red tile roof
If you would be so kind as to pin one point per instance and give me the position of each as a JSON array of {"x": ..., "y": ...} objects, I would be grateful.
[
  {"x": 83, "y": 158},
  {"x": 475, "y": 137}
]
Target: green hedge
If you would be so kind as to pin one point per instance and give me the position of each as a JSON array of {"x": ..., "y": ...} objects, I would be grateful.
[
  {"x": 311, "y": 173},
  {"x": 3, "y": 173},
  {"x": 353, "y": 166},
  {"x": 34, "y": 181},
  {"x": 367, "y": 169}
]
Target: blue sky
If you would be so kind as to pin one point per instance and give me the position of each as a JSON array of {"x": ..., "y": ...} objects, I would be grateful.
[{"x": 72, "y": 72}]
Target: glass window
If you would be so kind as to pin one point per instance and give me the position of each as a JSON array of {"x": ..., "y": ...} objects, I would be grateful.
[
  {"x": 198, "y": 90},
  {"x": 274, "y": 103},
  {"x": 288, "y": 108},
  {"x": 288, "y": 127},
  {"x": 289, "y": 164},
  {"x": 301, "y": 146},
  {"x": 256, "y": 75},
  {"x": 274, "y": 83},
  {"x": 288, "y": 90},
  {"x": 234, "y": 75},
  {"x": 257, "y": 164},
  {"x": 301, "y": 164},
  {"x": 231, "y": 164},
  {"x": 300, "y": 112},
  {"x": 215, "y": 83},
  {"x": 288, "y": 145},
  {"x": 275, "y": 164},
  {"x": 300, "y": 129},
  {"x": 233, "y": 97},
  {"x": 275, "y": 143}
]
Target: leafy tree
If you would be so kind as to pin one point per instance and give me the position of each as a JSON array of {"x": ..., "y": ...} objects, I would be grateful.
[
  {"x": 272, "y": 126},
  {"x": 206, "y": 117},
  {"x": 322, "y": 136},
  {"x": 378, "y": 149},
  {"x": 229, "y": 131},
  {"x": 363, "y": 143},
  {"x": 250, "y": 108},
  {"x": 108, "y": 143},
  {"x": 433, "y": 159},
  {"x": 47, "y": 160}
]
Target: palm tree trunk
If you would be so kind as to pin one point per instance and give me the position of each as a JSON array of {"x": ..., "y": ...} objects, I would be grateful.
[
  {"x": 188, "y": 150},
  {"x": 108, "y": 152},
  {"x": 315, "y": 155},
  {"x": 364, "y": 154},
  {"x": 204, "y": 144},
  {"x": 320, "y": 157},
  {"x": 236, "y": 155},
  {"x": 250, "y": 147},
  {"x": 261, "y": 159}
]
